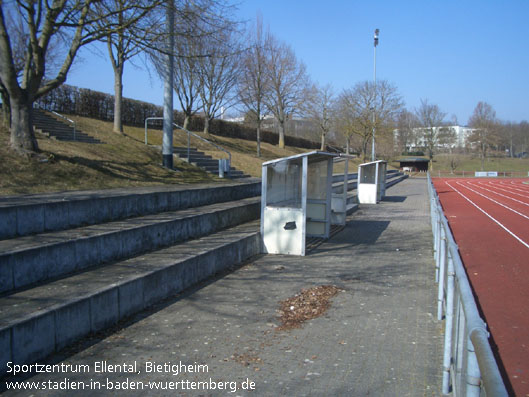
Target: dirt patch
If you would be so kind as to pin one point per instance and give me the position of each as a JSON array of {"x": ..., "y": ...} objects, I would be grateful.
[{"x": 308, "y": 304}]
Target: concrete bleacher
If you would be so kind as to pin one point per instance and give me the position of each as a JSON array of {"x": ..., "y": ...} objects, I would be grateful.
[
  {"x": 60, "y": 281},
  {"x": 74, "y": 263},
  {"x": 392, "y": 177}
]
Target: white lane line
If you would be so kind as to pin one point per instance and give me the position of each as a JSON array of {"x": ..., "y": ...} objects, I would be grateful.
[
  {"x": 511, "y": 188},
  {"x": 494, "y": 201},
  {"x": 502, "y": 195},
  {"x": 508, "y": 189},
  {"x": 497, "y": 222},
  {"x": 520, "y": 184}
]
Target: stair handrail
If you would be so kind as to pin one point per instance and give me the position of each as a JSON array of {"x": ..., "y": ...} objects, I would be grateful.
[
  {"x": 189, "y": 133},
  {"x": 61, "y": 116}
]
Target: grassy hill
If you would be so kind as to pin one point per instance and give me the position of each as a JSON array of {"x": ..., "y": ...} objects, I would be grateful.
[{"x": 121, "y": 161}]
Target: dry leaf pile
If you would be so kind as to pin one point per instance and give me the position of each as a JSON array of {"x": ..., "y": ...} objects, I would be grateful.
[{"x": 308, "y": 304}]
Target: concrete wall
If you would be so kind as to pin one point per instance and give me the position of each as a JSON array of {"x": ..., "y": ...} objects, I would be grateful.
[{"x": 47, "y": 212}]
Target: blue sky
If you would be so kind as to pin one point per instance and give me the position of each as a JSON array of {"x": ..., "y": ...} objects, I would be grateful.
[{"x": 453, "y": 53}]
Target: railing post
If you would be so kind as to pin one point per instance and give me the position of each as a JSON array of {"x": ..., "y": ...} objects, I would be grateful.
[
  {"x": 473, "y": 373},
  {"x": 449, "y": 322},
  {"x": 442, "y": 271},
  {"x": 437, "y": 243},
  {"x": 146, "y": 120}
]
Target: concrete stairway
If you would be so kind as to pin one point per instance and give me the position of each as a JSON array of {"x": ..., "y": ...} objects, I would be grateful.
[
  {"x": 53, "y": 127},
  {"x": 60, "y": 285},
  {"x": 206, "y": 162}
]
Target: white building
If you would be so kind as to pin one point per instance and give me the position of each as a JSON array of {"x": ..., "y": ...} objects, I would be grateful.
[{"x": 454, "y": 136}]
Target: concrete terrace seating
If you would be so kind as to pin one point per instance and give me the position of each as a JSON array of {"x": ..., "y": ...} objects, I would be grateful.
[
  {"x": 142, "y": 245},
  {"x": 392, "y": 177}
]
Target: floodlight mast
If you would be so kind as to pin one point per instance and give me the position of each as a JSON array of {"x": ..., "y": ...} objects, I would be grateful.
[
  {"x": 167, "y": 140},
  {"x": 373, "y": 155}
]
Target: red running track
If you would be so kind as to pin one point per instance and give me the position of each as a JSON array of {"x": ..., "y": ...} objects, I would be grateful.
[{"x": 489, "y": 219}]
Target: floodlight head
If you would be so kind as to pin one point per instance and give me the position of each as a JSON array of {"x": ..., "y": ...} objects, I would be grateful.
[{"x": 376, "y": 36}]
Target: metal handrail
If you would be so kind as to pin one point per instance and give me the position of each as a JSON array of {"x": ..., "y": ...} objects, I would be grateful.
[
  {"x": 189, "y": 133},
  {"x": 61, "y": 116},
  {"x": 468, "y": 359},
  {"x": 472, "y": 174}
]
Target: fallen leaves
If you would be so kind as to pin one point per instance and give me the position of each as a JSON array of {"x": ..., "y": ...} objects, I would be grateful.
[
  {"x": 308, "y": 304},
  {"x": 246, "y": 359}
]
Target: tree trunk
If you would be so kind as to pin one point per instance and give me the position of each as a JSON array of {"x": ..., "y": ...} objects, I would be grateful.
[
  {"x": 22, "y": 135},
  {"x": 6, "y": 113},
  {"x": 258, "y": 139},
  {"x": 364, "y": 149},
  {"x": 118, "y": 99},
  {"x": 281, "y": 128},
  {"x": 186, "y": 121},
  {"x": 322, "y": 141},
  {"x": 206, "y": 125},
  {"x": 348, "y": 145}
]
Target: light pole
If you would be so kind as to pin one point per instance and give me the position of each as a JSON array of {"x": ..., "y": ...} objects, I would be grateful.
[
  {"x": 167, "y": 140},
  {"x": 373, "y": 156}
]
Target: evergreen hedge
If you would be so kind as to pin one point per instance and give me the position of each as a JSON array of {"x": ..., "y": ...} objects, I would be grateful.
[{"x": 84, "y": 102}]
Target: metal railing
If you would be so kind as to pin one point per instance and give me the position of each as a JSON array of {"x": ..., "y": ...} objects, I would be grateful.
[
  {"x": 469, "y": 366},
  {"x": 472, "y": 174},
  {"x": 189, "y": 134},
  {"x": 74, "y": 125}
]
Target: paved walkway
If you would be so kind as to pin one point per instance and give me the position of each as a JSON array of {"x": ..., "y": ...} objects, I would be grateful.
[{"x": 378, "y": 338}]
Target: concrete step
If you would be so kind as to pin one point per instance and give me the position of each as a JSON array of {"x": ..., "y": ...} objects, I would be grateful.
[
  {"x": 44, "y": 319},
  {"x": 338, "y": 186},
  {"x": 395, "y": 179},
  {"x": 183, "y": 150},
  {"x": 340, "y": 177},
  {"x": 60, "y": 136},
  {"x": 193, "y": 158},
  {"x": 31, "y": 214},
  {"x": 28, "y": 260},
  {"x": 59, "y": 129},
  {"x": 205, "y": 162},
  {"x": 352, "y": 183}
]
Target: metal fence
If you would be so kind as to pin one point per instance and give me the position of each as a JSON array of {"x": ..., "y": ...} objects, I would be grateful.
[
  {"x": 472, "y": 174},
  {"x": 469, "y": 366}
]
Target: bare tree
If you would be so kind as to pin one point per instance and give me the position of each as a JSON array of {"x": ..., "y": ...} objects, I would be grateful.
[
  {"x": 455, "y": 161},
  {"x": 133, "y": 34},
  {"x": 205, "y": 53},
  {"x": 319, "y": 108},
  {"x": 43, "y": 22},
  {"x": 431, "y": 119},
  {"x": 344, "y": 120},
  {"x": 252, "y": 84},
  {"x": 356, "y": 107},
  {"x": 521, "y": 138},
  {"x": 218, "y": 75},
  {"x": 485, "y": 133},
  {"x": 406, "y": 130},
  {"x": 288, "y": 82},
  {"x": 186, "y": 78}
]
